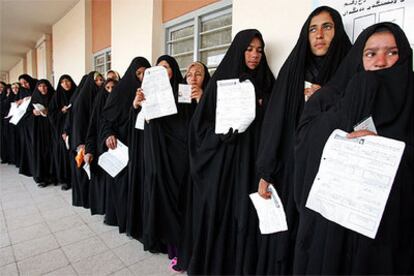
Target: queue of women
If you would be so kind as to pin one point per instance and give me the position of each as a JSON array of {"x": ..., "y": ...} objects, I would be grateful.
[{"x": 185, "y": 190}]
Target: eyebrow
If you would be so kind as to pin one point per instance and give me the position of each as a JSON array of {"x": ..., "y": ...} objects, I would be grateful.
[
  {"x": 323, "y": 24},
  {"x": 377, "y": 48}
]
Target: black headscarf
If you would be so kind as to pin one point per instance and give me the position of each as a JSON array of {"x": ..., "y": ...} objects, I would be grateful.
[
  {"x": 287, "y": 101},
  {"x": 38, "y": 97},
  {"x": 119, "y": 102},
  {"x": 60, "y": 99},
  {"x": 32, "y": 81},
  {"x": 387, "y": 96}
]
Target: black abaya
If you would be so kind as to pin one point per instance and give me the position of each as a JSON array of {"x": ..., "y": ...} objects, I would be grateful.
[
  {"x": 223, "y": 172},
  {"x": 324, "y": 247},
  {"x": 275, "y": 161},
  {"x": 122, "y": 192}
]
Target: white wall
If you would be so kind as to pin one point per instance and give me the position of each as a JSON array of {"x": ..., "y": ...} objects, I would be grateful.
[
  {"x": 16, "y": 71},
  {"x": 279, "y": 22},
  {"x": 136, "y": 31},
  {"x": 31, "y": 63},
  {"x": 72, "y": 47}
]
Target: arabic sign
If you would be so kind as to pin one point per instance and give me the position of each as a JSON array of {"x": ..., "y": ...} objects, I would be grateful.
[{"x": 359, "y": 14}]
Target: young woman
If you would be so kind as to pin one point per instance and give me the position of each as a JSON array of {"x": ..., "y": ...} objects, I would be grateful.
[
  {"x": 321, "y": 46},
  {"x": 116, "y": 124},
  {"x": 222, "y": 167},
  {"x": 94, "y": 147},
  {"x": 58, "y": 111},
  {"x": 82, "y": 110},
  {"x": 375, "y": 79},
  {"x": 42, "y": 158}
]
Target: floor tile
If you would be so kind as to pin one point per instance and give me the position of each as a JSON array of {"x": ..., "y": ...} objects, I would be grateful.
[
  {"x": 102, "y": 264},
  {"x": 28, "y": 233},
  {"x": 131, "y": 252},
  {"x": 73, "y": 235},
  {"x": 34, "y": 247},
  {"x": 43, "y": 263},
  {"x": 83, "y": 249}
]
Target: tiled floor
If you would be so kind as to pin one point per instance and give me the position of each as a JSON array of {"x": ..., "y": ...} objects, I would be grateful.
[{"x": 41, "y": 233}]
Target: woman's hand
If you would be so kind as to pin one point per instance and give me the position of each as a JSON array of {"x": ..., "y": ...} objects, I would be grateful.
[
  {"x": 36, "y": 112},
  {"x": 64, "y": 136},
  {"x": 139, "y": 98},
  {"x": 311, "y": 90},
  {"x": 64, "y": 109},
  {"x": 111, "y": 142},
  {"x": 360, "y": 133},
  {"x": 262, "y": 189},
  {"x": 196, "y": 93},
  {"x": 88, "y": 158}
]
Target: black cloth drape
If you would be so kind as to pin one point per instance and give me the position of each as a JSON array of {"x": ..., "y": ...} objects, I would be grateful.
[
  {"x": 275, "y": 161},
  {"x": 322, "y": 246},
  {"x": 223, "y": 172}
]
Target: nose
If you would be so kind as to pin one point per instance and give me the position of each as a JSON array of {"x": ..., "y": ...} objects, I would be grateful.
[
  {"x": 319, "y": 33},
  {"x": 381, "y": 61}
]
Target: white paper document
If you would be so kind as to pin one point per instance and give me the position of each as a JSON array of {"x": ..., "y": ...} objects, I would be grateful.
[
  {"x": 20, "y": 111},
  {"x": 159, "y": 97},
  {"x": 114, "y": 161},
  {"x": 236, "y": 105},
  {"x": 40, "y": 108},
  {"x": 67, "y": 142},
  {"x": 140, "y": 121},
  {"x": 184, "y": 93},
  {"x": 272, "y": 218},
  {"x": 354, "y": 180},
  {"x": 12, "y": 110},
  {"x": 367, "y": 124},
  {"x": 87, "y": 169}
]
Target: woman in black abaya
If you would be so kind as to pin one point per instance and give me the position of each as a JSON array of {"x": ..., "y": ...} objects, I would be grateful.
[
  {"x": 94, "y": 147},
  {"x": 376, "y": 79},
  {"x": 82, "y": 110},
  {"x": 12, "y": 143},
  {"x": 275, "y": 162},
  {"x": 58, "y": 111},
  {"x": 166, "y": 169},
  {"x": 117, "y": 118},
  {"x": 42, "y": 159},
  {"x": 222, "y": 167}
]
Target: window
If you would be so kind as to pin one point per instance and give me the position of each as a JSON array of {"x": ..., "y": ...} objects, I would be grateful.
[
  {"x": 203, "y": 35},
  {"x": 102, "y": 61}
]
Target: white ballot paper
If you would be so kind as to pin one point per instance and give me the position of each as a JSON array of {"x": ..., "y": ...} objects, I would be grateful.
[
  {"x": 113, "y": 161},
  {"x": 236, "y": 105},
  {"x": 307, "y": 85},
  {"x": 354, "y": 180},
  {"x": 20, "y": 111},
  {"x": 12, "y": 111},
  {"x": 184, "y": 93},
  {"x": 367, "y": 124},
  {"x": 272, "y": 218},
  {"x": 159, "y": 97},
  {"x": 40, "y": 108},
  {"x": 87, "y": 169},
  {"x": 140, "y": 121}
]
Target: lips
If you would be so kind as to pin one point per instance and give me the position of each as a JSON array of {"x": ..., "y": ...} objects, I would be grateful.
[{"x": 319, "y": 45}]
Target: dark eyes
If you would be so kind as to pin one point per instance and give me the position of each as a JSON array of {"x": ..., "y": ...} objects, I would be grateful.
[{"x": 249, "y": 49}]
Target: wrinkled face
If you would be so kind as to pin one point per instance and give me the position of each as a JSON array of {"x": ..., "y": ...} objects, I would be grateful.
[
  {"x": 140, "y": 73},
  {"x": 42, "y": 88},
  {"x": 66, "y": 84},
  {"x": 109, "y": 86},
  {"x": 99, "y": 80},
  {"x": 15, "y": 88},
  {"x": 321, "y": 32},
  {"x": 165, "y": 64},
  {"x": 253, "y": 54},
  {"x": 195, "y": 75},
  {"x": 380, "y": 51},
  {"x": 24, "y": 83}
]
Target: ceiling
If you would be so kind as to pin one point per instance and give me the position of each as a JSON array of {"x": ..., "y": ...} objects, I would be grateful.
[{"x": 23, "y": 22}]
